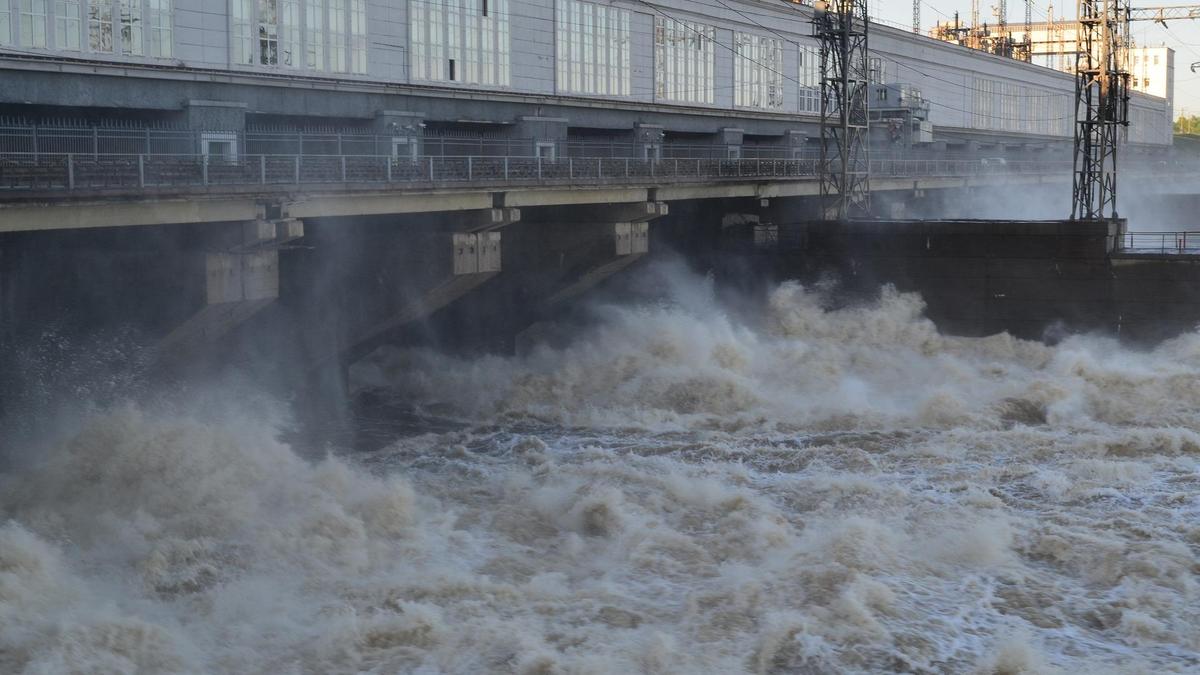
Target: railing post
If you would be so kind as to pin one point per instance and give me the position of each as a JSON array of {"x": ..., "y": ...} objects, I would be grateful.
[
  {"x": 262, "y": 169},
  {"x": 95, "y": 143},
  {"x": 204, "y": 169},
  {"x": 506, "y": 167},
  {"x": 343, "y": 158},
  {"x": 470, "y": 168},
  {"x": 626, "y": 168},
  {"x": 539, "y": 159},
  {"x": 388, "y": 161},
  {"x": 599, "y": 168},
  {"x": 571, "y": 168},
  {"x": 141, "y": 171},
  {"x": 431, "y": 168},
  {"x": 296, "y": 169},
  {"x": 70, "y": 172}
]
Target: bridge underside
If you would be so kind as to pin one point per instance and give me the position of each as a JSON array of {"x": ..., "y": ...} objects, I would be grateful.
[{"x": 295, "y": 291}]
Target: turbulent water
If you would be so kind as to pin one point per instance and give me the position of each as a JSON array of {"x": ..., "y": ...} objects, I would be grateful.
[{"x": 682, "y": 489}]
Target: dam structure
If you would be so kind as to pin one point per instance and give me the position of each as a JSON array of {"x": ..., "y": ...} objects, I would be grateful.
[
  {"x": 535, "y": 337},
  {"x": 351, "y": 174}
]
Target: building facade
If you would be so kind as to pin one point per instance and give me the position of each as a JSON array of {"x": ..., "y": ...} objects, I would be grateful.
[{"x": 751, "y": 63}]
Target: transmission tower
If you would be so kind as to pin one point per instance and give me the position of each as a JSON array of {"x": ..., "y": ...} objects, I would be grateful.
[
  {"x": 841, "y": 28},
  {"x": 1101, "y": 106},
  {"x": 1029, "y": 31},
  {"x": 917, "y": 16}
]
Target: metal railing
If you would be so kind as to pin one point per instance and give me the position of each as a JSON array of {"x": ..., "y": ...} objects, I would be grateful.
[
  {"x": 26, "y": 171},
  {"x": 1176, "y": 243},
  {"x": 103, "y": 140}
]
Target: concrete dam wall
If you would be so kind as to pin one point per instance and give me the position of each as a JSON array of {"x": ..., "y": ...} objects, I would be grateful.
[{"x": 1034, "y": 279}]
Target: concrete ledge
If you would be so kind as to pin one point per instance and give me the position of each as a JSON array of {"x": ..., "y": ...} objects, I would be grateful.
[{"x": 76, "y": 215}]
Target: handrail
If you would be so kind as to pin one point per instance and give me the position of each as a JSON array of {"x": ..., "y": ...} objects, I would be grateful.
[
  {"x": 70, "y": 171},
  {"x": 1174, "y": 243}
]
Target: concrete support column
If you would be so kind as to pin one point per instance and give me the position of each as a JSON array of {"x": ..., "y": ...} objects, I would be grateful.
[
  {"x": 732, "y": 139},
  {"x": 648, "y": 138},
  {"x": 546, "y": 136},
  {"x": 240, "y": 280},
  {"x": 476, "y": 241},
  {"x": 589, "y": 249},
  {"x": 219, "y": 122},
  {"x": 795, "y": 142},
  {"x": 407, "y": 276},
  {"x": 404, "y": 128}
]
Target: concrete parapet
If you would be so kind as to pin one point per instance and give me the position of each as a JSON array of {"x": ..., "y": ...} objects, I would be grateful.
[{"x": 202, "y": 115}]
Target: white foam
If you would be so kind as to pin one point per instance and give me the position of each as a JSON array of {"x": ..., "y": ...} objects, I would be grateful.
[{"x": 815, "y": 491}]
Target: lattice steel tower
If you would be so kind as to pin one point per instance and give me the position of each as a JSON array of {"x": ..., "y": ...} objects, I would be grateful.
[
  {"x": 841, "y": 27},
  {"x": 1101, "y": 106}
]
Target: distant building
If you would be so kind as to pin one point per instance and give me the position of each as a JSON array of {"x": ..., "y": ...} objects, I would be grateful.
[
  {"x": 1152, "y": 71},
  {"x": 1054, "y": 44}
]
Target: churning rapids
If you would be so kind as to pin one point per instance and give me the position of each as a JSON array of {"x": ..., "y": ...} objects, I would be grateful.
[{"x": 681, "y": 489}]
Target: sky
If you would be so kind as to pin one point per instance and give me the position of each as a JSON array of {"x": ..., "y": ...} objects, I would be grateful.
[{"x": 1182, "y": 36}]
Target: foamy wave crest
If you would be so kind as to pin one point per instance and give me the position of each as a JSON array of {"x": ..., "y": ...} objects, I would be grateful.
[
  {"x": 690, "y": 363},
  {"x": 144, "y": 543}
]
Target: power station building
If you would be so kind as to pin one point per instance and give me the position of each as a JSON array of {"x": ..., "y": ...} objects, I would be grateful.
[{"x": 740, "y": 76}]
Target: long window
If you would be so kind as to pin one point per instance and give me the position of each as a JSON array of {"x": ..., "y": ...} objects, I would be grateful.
[
  {"x": 131, "y": 27},
  {"x": 757, "y": 71},
  {"x": 268, "y": 33},
  {"x": 289, "y": 33},
  {"x": 160, "y": 28},
  {"x": 337, "y": 36},
  {"x": 100, "y": 27},
  {"x": 33, "y": 23},
  {"x": 327, "y": 35},
  {"x": 279, "y": 33},
  {"x": 810, "y": 79},
  {"x": 67, "y": 24},
  {"x": 593, "y": 48},
  {"x": 358, "y": 37},
  {"x": 684, "y": 57},
  {"x": 460, "y": 41},
  {"x": 314, "y": 26},
  {"x": 1006, "y": 106},
  {"x": 241, "y": 42}
]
